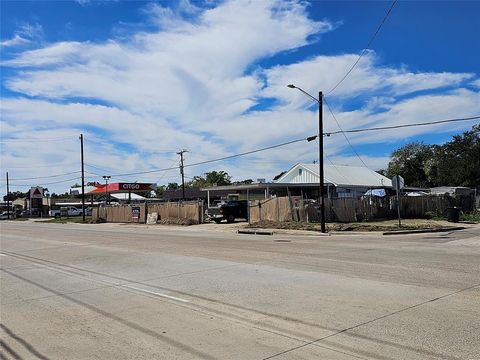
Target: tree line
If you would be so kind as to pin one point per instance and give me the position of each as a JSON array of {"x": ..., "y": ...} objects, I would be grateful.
[{"x": 454, "y": 163}]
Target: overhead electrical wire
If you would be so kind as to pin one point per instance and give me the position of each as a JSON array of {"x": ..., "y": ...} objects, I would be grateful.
[
  {"x": 41, "y": 166},
  {"x": 402, "y": 125},
  {"x": 345, "y": 136},
  {"x": 44, "y": 177},
  {"x": 50, "y": 183},
  {"x": 217, "y": 159},
  {"x": 35, "y": 139},
  {"x": 310, "y": 138},
  {"x": 365, "y": 48}
]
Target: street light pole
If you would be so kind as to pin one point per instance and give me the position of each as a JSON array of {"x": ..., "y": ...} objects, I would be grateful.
[
  {"x": 319, "y": 101},
  {"x": 83, "y": 178},
  {"x": 320, "y": 163},
  {"x": 106, "y": 177}
]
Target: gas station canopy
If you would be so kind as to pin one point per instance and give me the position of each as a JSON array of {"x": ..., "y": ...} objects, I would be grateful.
[{"x": 123, "y": 187}]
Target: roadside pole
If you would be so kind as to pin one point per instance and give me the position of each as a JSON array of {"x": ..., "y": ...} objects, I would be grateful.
[
  {"x": 83, "y": 178},
  {"x": 398, "y": 183},
  {"x": 182, "y": 172},
  {"x": 8, "y": 199}
]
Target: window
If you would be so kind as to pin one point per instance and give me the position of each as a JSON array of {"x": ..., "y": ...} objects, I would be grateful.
[{"x": 300, "y": 171}]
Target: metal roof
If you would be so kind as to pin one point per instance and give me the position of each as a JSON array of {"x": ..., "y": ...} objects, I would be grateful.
[{"x": 338, "y": 175}]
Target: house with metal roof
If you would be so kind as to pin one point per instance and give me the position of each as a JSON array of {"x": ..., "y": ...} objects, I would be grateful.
[
  {"x": 303, "y": 180},
  {"x": 340, "y": 180}
]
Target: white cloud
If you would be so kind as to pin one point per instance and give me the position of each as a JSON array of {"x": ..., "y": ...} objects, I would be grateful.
[
  {"x": 325, "y": 71},
  {"x": 191, "y": 85},
  {"x": 15, "y": 41},
  {"x": 476, "y": 83}
]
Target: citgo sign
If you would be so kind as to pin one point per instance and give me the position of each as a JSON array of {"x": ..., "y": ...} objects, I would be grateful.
[{"x": 136, "y": 186}]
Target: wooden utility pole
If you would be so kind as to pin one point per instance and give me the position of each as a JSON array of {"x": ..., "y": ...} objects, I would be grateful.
[
  {"x": 83, "y": 178},
  {"x": 182, "y": 172}
]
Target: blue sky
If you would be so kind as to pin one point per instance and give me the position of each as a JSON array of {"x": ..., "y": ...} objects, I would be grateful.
[{"x": 142, "y": 80}]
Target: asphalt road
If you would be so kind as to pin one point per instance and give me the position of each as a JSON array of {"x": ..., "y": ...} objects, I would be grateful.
[{"x": 134, "y": 292}]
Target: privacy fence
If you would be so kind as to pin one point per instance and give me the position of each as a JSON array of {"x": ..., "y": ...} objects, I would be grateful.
[
  {"x": 139, "y": 213},
  {"x": 290, "y": 208},
  {"x": 351, "y": 210}
]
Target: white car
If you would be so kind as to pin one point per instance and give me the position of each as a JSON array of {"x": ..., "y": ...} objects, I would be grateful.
[
  {"x": 68, "y": 210},
  {"x": 4, "y": 215}
]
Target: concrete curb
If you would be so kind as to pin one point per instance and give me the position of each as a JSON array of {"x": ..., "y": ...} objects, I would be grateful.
[
  {"x": 255, "y": 232},
  {"x": 403, "y": 232}
]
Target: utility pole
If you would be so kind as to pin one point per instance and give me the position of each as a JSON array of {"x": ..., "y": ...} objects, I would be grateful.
[
  {"x": 83, "y": 178},
  {"x": 182, "y": 172},
  {"x": 320, "y": 163},
  {"x": 319, "y": 101},
  {"x": 8, "y": 199},
  {"x": 106, "y": 177}
]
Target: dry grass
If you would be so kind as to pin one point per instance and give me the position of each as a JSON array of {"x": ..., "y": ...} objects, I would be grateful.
[{"x": 387, "y": 225}]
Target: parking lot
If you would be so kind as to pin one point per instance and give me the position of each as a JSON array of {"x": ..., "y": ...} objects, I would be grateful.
[{"x": 107, "y": 291}]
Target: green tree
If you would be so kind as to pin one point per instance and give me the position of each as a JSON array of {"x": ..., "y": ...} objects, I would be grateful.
[
  {"x": 212, "y": 178},
  {"x": 172, "y": 186},
  {"x": 410, "y": 161},
  {"x": 457, "y": 162},
  {"x": 218, "y": 177},
  {"x": 16, "y": 195}
]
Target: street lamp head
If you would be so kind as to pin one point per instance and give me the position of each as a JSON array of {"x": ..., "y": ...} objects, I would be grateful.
[
  {"x": 106, "y": 177},
  {"x": 291, "y": 86}
]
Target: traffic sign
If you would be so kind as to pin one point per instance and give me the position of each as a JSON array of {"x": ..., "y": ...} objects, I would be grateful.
[
  {"x": 36, "y": 192},
  {"x": 398, "y": 182}
]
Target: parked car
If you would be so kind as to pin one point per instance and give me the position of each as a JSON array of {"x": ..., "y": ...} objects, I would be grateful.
[
  {"x": 228, "y": 211},
  {"x": 65, "y": 211},
  {"x": 4, "y": 215}
]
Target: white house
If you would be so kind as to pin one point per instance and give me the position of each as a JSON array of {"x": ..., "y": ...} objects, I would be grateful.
[{"x": 340, "y": 180}]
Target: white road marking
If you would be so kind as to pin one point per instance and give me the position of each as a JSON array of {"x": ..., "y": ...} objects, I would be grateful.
[
  {"x": 83, "y": 277},
  {"x": 156, "y": 293}
]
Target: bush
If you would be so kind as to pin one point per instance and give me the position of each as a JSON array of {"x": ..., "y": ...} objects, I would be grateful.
[{"x": 474, "y": 216}]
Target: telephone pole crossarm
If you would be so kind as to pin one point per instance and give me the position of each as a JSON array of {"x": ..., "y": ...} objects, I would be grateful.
[{"x": 181, "y": 152}]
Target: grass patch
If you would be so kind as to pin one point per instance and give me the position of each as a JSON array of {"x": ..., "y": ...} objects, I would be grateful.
[
  {"x": 470, "y": 217},
  {"x": 65, "y": 220},
  {"x": 387, "y": 225}
]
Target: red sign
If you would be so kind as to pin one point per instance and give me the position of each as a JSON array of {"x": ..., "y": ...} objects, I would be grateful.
[{"x": 124, "y": 187}]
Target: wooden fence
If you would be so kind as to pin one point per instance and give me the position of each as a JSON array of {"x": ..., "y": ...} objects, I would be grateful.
[
  {"x": 351, "y": 210},
  {"x": 278, "y": 209},
  {"x": 178, "y": 210},
  {"x": 123, "y": 213}
]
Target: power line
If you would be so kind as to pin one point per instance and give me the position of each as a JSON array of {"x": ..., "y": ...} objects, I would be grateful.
[
  {"x": 343, "y": 133},
  {"x": 217, "y": 159},
  {"x": 246, "y": 153},
  {"x": 35, "y": 139},
  {"x": 402, "y": 125},
  {"x": 40, "y": 166},
  {"x": 50, "y": 183},
  {"x": 45, "y": 177},
  {"x": 365, "y": 48}
]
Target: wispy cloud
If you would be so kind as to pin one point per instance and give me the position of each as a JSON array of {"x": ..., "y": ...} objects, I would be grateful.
[
  {"x": 15, "y": 41},
  {"x": 190, "y": 85}
]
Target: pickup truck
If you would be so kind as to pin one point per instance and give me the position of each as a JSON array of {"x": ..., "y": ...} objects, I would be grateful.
[
  {"x": 67, "y": 210},
  {"x": 228, "y": 211}
]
